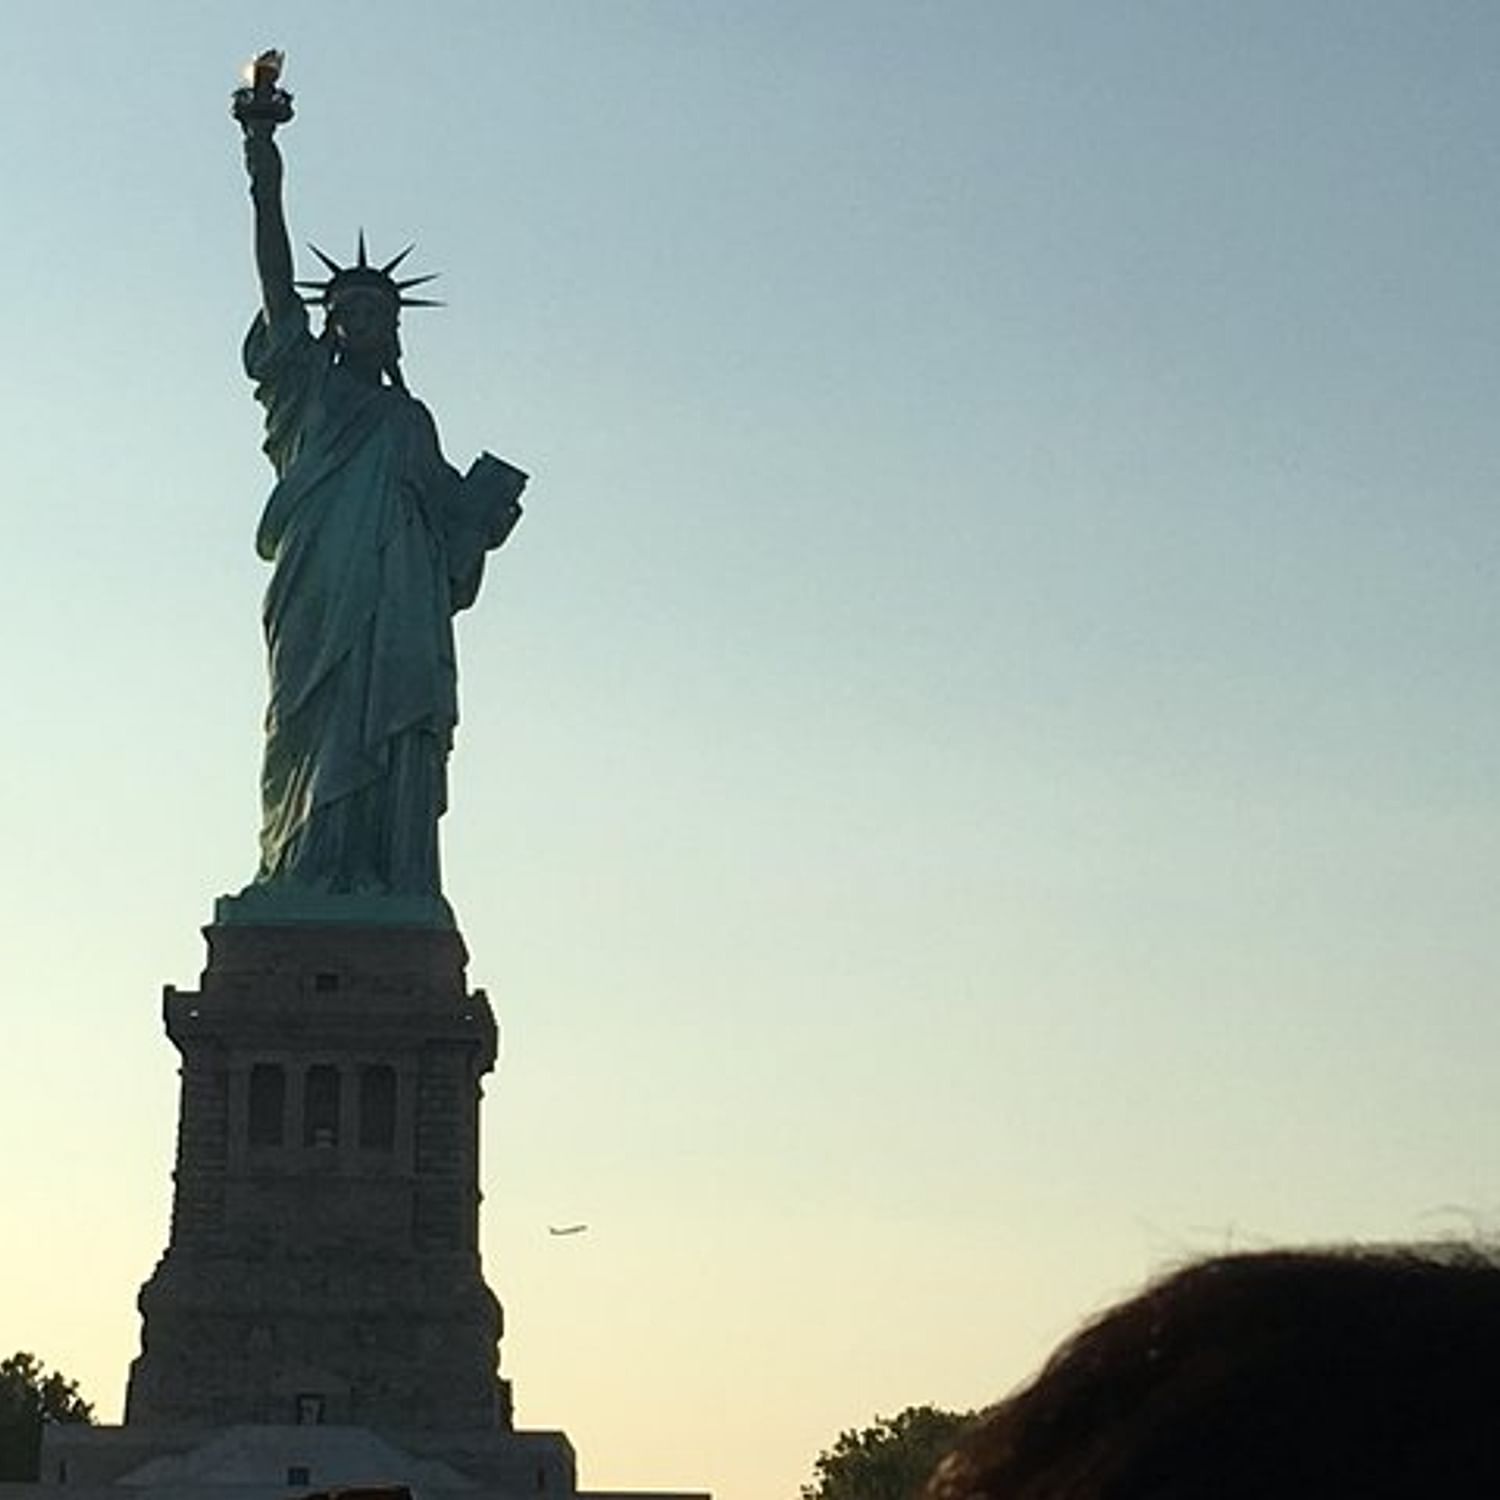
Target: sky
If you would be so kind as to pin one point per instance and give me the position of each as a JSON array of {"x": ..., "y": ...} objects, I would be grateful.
[{"x": 977, "y": 774}]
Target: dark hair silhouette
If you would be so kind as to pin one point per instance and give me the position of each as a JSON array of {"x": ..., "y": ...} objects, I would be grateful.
[{"x": 1359, "y": 1374}]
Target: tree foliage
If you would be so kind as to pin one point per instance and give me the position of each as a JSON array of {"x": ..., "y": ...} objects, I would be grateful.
[
  {"x": 31, "y": 1395},
  {"x": 888, "y": 1461}
]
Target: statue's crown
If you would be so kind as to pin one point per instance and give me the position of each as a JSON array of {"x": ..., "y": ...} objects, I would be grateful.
[{"x": 363, "y": 274}]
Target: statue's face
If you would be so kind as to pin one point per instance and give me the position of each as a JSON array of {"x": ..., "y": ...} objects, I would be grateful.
[{"x": 363, "y": 320}]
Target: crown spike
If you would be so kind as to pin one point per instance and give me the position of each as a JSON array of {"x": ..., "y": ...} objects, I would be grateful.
[
  {"x": 395, "y": 261},
  {"x": 421, "y": 302},
  {"x": 363, "y": 263},
  {"x": 411, "y": 281},
  {"x": 327, "y": 260}
]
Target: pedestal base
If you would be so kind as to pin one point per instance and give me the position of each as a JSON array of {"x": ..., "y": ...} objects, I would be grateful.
[{"x": 269, "y": 1462}]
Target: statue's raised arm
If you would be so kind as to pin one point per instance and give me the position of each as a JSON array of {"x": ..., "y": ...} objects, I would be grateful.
[
  {"x": 260, "y": 107},
  {"x": 273, "y": 246}
]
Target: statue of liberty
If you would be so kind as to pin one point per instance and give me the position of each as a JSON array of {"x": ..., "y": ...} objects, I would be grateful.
[{"x": 374, "y": 542}]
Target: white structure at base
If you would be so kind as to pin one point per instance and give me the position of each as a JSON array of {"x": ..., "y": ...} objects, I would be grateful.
[{"x": 268, "y": 1462}]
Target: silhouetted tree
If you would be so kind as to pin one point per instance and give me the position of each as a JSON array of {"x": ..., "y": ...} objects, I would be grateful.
[
  {"x": 30, "y": 1395},
  {"x": 889, "y": 1461}
]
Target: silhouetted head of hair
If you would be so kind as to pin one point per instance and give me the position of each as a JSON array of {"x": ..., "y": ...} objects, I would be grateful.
[{"x": 1360, "y": 1374}]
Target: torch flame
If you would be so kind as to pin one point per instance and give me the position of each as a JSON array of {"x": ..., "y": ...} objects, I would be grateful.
[{"x": 262, "y": 71}]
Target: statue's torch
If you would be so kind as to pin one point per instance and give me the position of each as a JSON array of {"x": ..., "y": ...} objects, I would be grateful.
[{"x": 260, "y": 104}]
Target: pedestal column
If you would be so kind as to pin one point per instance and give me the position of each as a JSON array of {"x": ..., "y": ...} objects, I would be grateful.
[{"x": 323, "y": 1262}]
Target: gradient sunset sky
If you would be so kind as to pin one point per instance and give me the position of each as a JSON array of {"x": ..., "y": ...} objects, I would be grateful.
[{"x": 979, "y": 767}]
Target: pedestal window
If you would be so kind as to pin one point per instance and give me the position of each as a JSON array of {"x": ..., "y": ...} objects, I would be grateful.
[
  {"x": 320, "y": 1106},
  {"x": 267, "y": 1106}
]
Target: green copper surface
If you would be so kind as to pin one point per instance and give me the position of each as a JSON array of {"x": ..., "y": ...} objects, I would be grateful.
[{"x": 374, "y": 542}]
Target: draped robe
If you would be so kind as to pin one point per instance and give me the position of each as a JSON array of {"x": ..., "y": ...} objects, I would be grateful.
[{"x": 374, "y": 541}]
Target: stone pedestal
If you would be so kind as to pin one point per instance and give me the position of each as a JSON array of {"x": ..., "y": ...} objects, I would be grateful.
[
  {"x": 323, "y": 1265},
  {"x": 319, "y": 1318}
]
